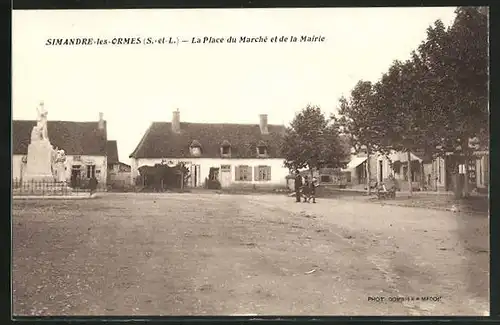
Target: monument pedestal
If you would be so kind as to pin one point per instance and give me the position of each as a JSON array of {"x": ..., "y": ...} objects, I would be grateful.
[
  {"x": 39, "y": 162},
  {"x": 39, "y": 177},
  {"x": 44, "y": 189}
]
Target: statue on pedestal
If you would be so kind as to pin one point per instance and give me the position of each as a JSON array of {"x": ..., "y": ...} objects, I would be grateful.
[
  {"x": 40, "y": 151},
  {"x": 45, "y": 172},
  {"x": 39, "y": 132}
]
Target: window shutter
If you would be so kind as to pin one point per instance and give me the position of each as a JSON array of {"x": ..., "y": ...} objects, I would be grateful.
[
  {"x": 256, "y": 173},
  {"x": 237, "y": 173},
  {"x": 268, "y": 173}
]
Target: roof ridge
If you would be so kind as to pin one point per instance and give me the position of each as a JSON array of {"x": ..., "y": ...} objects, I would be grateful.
[
  {"x": 216, "y": 123},
  {"x": 75, "y": 137},
  {"x": 58, "y": 121},
  {"x": 160, "y": 141}
]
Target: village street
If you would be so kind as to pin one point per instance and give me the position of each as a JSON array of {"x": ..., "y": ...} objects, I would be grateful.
[{"x": 210, "y": 254}]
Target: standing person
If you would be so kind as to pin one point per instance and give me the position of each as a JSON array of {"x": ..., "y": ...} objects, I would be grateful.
[
  {"x": 312, "y": 190},
  {"x": 306, "y": 189},
  {"x": 93, "y": 185},
  {"x": 297, "y": 185}
]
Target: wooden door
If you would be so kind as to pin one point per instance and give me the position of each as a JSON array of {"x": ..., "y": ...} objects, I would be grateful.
[{"x": 225, "y": 175}]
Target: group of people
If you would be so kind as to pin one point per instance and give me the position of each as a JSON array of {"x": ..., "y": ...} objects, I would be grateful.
[{"x": 305, "y": 188}]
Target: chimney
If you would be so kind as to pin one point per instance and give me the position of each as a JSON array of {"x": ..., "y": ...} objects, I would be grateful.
[
  {"x": 176, "y": 121},
  {"x": 263, "y": 124},
  {"x": 101, "y": 121}
]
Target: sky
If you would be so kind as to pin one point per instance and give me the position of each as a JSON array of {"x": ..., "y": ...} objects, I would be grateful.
[{"x": 134, "y": 85}]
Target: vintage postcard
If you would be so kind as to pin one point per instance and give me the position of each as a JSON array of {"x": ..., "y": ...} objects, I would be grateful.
[{"x": 292, "y": 162}]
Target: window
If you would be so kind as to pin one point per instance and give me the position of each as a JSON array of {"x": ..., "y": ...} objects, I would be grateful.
[
  {"x": 326, "y": 179},
  {"x": 213, "y": 174},
  {"x": 195, "y": 148},
  {"x": 225, "y": 149},
  {"x": 243, "y": 173},
  {"x": 262, "y": 148},
  {"x": 90, "y": 171},
  {"x": 262, "y": 173},
  {"x": 195, "y": 151}
]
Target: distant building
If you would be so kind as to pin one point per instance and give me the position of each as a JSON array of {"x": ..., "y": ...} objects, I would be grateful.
[
  {"x": 83, "y": 142},
  {"x": 118, "y": 172},
  {"x": 427, "y": 173},
  {"x": 238, "y": 155},
  {"x": 479, "y": 175},
  {"x": 395, "y": 164}
]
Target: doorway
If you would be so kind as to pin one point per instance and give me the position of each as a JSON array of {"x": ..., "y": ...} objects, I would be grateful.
[
  {"x": 225, "y": 176},
  {"x": 380, "y": 171},
  {"x": 361, "y": 174},
  {"x": 195, "y": 175},
  {"x": 75, "y": 176}
]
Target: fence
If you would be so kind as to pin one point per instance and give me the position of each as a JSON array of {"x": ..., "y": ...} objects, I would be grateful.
[{"x": 49, "y": 187}]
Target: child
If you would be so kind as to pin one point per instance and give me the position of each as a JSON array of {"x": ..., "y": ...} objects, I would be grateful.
[
  {"x": 312, "y": 190},
  {"x": 306, "y": 189}
]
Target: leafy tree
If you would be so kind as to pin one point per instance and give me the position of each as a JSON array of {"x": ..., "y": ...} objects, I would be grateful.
[
  {"x": 402, "y": 102},
  {"x": 312, "y": 142},
  {"x": 434, "y": 102},
  {"x": 360, "y": 121},
  {"x": 457, "y": 75}
]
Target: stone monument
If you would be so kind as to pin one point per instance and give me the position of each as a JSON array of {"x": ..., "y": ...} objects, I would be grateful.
[
  {"x": 45, "y": 165},
  {"x": 40, "y": 151}
]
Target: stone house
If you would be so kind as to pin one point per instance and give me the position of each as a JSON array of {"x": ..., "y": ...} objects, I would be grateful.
[
  {"x": 237, "y": 155},
  {"x": 83, "y": 142}
]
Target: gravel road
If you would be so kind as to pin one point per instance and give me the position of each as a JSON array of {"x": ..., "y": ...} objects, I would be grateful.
[{"x": 217, "y": 254}]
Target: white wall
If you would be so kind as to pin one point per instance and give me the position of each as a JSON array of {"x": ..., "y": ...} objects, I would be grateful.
[
  {"x": 17, "y": 166},
  {"x": 278, "y": 172},
  {"x": 99, "y": 161},
  {"x": 440, "y": 171},
  {"x": 386, "y": 168}
]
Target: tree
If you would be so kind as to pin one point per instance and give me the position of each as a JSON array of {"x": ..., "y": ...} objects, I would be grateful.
[
  {"x": 361, "y": 122},
  {"x": 312, "y": 142},
  {"x": 402, "y": 101},
  {"x": 457, "y": 72},
  {"x": 434, "y": 102}
]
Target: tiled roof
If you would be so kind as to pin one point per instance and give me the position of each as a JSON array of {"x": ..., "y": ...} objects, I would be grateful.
[
  {"x": 112, "y": 152},
  {"x": 160, "y": 142},
  {"x": 75, "y": 138}
]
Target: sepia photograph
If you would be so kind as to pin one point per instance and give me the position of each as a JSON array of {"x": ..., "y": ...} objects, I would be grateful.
[{"x": 251, "y": 162}]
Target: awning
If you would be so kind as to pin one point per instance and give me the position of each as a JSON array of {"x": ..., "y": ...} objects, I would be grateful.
[
  {"x": 403, "y": 157},
  {"x": 355, "y": 162}
]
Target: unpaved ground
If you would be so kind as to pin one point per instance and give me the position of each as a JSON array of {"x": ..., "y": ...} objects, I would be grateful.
[{"x": 208, "y": 254}]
